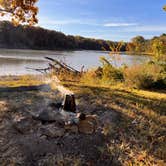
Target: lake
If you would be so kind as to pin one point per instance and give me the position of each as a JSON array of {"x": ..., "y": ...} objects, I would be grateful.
[{"x": 15, "y": 62}]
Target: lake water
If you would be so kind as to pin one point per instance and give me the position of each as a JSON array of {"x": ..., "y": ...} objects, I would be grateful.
[{"x": 15, "y": 62}]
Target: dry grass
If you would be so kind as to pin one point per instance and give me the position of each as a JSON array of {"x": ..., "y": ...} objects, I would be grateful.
[
  {"x": 139, "y": 138},
  {"x": 145, "y": 76},
  {"x": 25, "y": 80}
]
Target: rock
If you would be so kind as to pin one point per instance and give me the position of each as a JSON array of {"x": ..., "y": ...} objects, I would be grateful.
[
  {"x": 89, "y": 125},
  {"x": 86, "y": 127},
  {"x": 52, "y": 131},
  {"x": 93, "y": 119},
  {"x": 71, "y": 128},
  {"x": 70, "y": 118},
  {"x": 44, "y": 137},
  {"x": 24, "y": 124},
  {"x": 49, "y": 116}
]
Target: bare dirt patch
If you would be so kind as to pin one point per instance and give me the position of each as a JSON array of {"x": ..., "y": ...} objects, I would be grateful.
[{"x": 26, "y": 141}]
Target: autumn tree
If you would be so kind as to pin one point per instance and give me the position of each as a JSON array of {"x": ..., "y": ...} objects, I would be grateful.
[
  {"x": 130, "y": 47},
  {"x": 164, "y": 7},
  {"x": 116, "y": 47},
  {"x": 159, "y": 47},
  {"x": 139, "y": 43},
  {"x": 20, "y": 11}
]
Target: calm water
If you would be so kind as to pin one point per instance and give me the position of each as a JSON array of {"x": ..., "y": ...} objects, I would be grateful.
[{"x": 15, "y": 62}]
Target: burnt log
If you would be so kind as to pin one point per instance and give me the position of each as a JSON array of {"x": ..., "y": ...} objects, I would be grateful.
[{"x": 69, "y": 104}]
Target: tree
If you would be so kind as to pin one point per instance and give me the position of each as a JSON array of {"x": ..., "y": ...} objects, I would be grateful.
[
  {"x": 20, "y": 11},
  {"x": 159, "y": 47},
  {"x": 139, "y": 43},
  {"x": 164, "y": 7},
  {"x": 116, "y": 47},
  {"x": 130, "y": 47}
]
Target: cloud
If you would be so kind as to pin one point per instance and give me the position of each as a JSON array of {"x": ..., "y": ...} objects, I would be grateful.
[
  {"x": 135, "y": 27},
  {"x": 147, "y": 28},
  {"x": 119, "y": 24},
  {"x": 56, "y": 22}
]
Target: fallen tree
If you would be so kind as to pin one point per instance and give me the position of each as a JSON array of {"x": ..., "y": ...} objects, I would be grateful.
[{"x": 60, "y": 69}]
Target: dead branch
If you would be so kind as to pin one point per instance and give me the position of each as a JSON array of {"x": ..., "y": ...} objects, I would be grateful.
[
  {"x": 63, "y": 65},
  {"x": 40, "y": 70},
  {"x": 60, "y": 69}
]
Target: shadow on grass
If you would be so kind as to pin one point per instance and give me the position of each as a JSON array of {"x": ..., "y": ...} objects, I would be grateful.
[
  {"x": 25, "y": 88},
  {"x": 123, "y": 98},
  {"x": 142, "y": 123}
]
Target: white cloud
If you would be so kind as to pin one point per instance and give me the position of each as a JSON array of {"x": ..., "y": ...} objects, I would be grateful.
[
  {"x": 147, "y": 28},
  {"x": 46, "y": 21},
  {"x": 119, "y": 24},
  {"x": 57, "y": 22}
]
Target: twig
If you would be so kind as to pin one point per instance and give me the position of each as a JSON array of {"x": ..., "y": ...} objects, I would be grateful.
[{"x": 39, "y": 70}]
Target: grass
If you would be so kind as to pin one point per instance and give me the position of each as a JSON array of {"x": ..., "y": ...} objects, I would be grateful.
[
  {"x": 25, "y": 80},
  {"x": 146, "y": 76},
  {"x": 140, "y": 134}
]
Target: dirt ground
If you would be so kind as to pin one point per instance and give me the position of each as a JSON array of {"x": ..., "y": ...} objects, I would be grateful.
[
  {"x": 131, "y": 127},
  {"x": 25, "y": 143}
]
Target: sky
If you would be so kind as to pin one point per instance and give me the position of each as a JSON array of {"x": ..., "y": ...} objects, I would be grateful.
[{"x": 104, "y": 19}]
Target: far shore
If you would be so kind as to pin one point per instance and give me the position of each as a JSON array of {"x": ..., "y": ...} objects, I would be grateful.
[{"x": 52, "y": 50}]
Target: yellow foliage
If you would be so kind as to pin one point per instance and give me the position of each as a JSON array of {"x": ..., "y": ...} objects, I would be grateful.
[
  {"x": 164, "y": 7},
  {"x": 20, "y": 11}
]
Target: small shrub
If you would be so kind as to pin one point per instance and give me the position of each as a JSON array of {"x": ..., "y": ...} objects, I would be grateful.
[
  {"x": 91, "y": 77},
  {"x": 104, "y": 75},
  {"x": 109, "y": 72},
  {"x": 146, "y": 76}
]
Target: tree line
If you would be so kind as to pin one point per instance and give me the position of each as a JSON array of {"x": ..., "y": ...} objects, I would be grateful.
[
  {"x": 30, "y": 37},
  {"x": 155, "y": 46}
]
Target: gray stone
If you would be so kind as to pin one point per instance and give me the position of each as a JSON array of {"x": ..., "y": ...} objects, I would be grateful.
[
  {"x": 52, "y": 131},
  {"x": 24, "y": 124},
  {"x": 49, "y": 116}
]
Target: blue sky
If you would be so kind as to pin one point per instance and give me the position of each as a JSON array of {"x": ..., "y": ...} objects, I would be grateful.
[{"x": 104, "y": 19}]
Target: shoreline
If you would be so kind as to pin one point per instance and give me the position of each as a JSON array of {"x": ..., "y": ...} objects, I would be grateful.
[{"x": 52, "y": 50}]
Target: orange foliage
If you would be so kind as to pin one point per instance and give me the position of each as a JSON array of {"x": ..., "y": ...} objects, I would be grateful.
[{"x": 20, "y": 11}]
